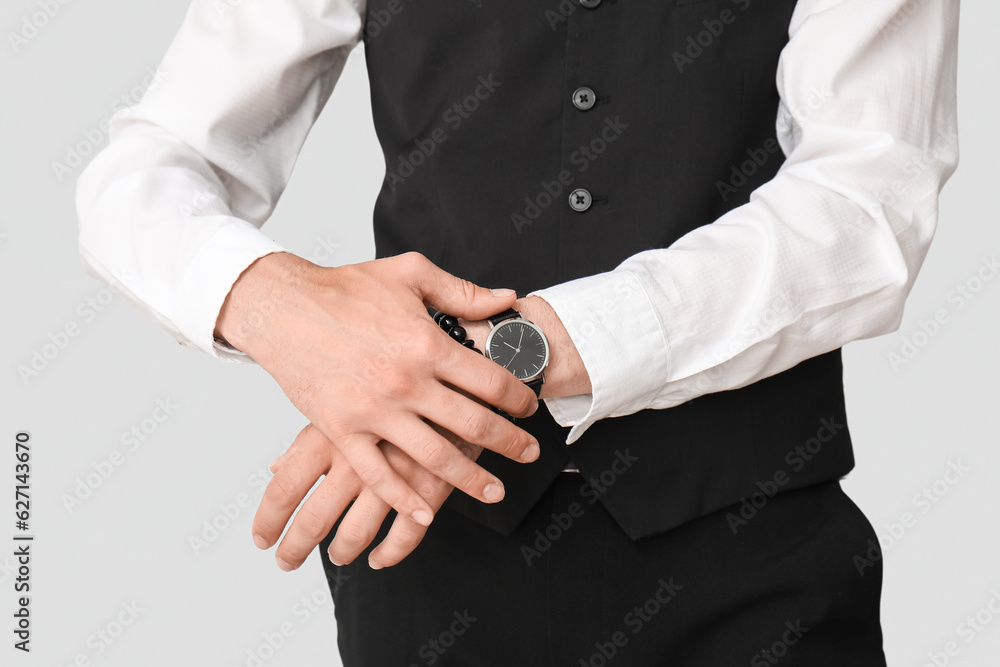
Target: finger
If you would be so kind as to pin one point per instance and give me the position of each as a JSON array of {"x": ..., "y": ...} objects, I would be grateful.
[
  {"x": 363, "y": 521},
  {"x": 276, "y": 464},
  {"x": 469, "y": 450},
  {"x": 486, "y": 380},
  {"x": 452, "y": 294},
  {"x": 359, "y": 527},
  {"x": 404, "y": 536},
  {"x": 317, "y": 515},
  {"x": 371, "y": 466},
  {"x": 306, "y": 461},
  {"x": 432, "y": 451},
  {"x": 475, "y": 423}
]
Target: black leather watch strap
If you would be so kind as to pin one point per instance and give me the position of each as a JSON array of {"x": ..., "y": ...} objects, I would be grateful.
[{"x": 508, "y": 314}]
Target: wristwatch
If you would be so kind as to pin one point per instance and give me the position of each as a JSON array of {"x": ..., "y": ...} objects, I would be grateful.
[{"x": 519, "y": 346}]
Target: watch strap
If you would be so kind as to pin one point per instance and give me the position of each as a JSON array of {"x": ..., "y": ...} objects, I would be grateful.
[{"x": 508, "y": 314}]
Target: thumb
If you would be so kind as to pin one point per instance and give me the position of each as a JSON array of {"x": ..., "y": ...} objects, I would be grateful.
[{"x": 461, "y": 298}]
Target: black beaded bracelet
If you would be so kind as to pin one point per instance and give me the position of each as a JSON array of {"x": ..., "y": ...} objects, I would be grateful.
[{"x": 450, "y": 325}]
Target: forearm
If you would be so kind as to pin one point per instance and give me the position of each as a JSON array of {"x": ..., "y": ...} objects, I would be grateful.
[
  {"x": 172, "y": 207},
  {"x": 823, "y": 254}
]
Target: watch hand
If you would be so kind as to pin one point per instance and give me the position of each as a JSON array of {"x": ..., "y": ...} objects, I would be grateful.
[
  {"x": 510, "y": 346},
  {"x": 520, "y": 339},
  {"x": 513, "y": 356}
]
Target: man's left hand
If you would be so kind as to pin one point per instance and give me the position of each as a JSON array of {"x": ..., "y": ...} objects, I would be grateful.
[{"x": 312, "y": 456}]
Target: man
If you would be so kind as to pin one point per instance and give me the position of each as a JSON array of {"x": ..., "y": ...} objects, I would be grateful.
[{"x": 694, "y": 272}]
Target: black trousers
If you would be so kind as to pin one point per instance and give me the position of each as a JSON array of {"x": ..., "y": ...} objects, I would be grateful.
[{"x": 570, "y": 589}]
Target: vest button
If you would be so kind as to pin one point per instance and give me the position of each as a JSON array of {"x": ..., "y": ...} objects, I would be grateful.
[
  {"x": 579, "y": 200},
  {"x": 583, "y": 98},
  {"x": 590, "y": 4}
]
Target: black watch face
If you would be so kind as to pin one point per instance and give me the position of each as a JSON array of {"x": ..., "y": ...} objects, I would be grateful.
[{"x": 519, "y": 347}]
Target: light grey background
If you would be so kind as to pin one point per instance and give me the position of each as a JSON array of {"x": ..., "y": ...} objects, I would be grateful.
[{"x": 129, "y": 541}]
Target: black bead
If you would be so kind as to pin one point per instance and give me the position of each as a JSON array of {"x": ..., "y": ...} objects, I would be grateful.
[
  {"x": 447, "y": 322},
  {"x": 469, "y": 344},
  {"x": 457, "y": 332},
  {"x": 438, "y": 316}
]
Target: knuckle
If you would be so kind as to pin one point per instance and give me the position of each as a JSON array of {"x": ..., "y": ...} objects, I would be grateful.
[
  {"x": 352, "y": 537},
  {"x": 477, "y": 427},
  {"x": 311, "y": 525},
  {"x": 370, "y": 474},
  {"x": 426, "y": 486},
  {"x": 427, "y": 343},
  {"x": 472, "y": 483},
  {"x": 282, "y": 492},
  {"x": 413, "y": 260},
  {"x": 523, "y": 399},
  {"x": 395, "y": 380},
  {"x": 493, "y": 385},
  {"x": 434, "y": 455},
  {"x": 407, "y": 539},
  {"x": 467, "y": 289}
]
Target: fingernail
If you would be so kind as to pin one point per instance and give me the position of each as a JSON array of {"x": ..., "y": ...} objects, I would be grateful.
[
  {"x": 503, "y": 293},
  {"x": 374, "y": 564},
  {"x": 283, "y": 565},
  {"x": 334, "y": 561},
  {"x": 423, "y": 517},
  {"x": 493, "y": 492},
  {"x": 260, "y": 542},
  {"x": 530, "y": 453}
]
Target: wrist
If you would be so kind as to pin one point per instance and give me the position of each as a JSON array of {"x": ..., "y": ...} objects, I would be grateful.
[
  {"x": 565, "y": 374},
  {"x": 248, "y": 310}
]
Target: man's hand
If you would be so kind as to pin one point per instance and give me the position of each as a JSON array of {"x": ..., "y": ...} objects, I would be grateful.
[
  {"x": 310, "y": 457},
  {"x": 356, "y": 352}
]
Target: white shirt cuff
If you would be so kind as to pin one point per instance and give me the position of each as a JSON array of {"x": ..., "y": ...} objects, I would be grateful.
[
  {"x": 614, "y": 326},
  {"x": 234, "y": 246}
]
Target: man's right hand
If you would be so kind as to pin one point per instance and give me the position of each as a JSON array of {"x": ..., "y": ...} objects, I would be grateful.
[{"x": 355, "y": 351}]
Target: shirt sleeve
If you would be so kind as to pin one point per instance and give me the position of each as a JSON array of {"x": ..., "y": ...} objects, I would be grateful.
[
  {"x": 170, "y": 211},
  {"x": 823, "y": 254}
]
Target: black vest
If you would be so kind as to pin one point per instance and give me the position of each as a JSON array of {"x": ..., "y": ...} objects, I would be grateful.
[{"x": 477, "y": 107}]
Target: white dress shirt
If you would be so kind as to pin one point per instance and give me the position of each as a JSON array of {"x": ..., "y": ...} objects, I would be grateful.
[{"x": 825, "y": 253}]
